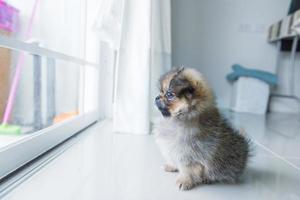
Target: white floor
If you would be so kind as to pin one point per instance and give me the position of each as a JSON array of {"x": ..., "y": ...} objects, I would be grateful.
[{"x": 107, "y": 166}]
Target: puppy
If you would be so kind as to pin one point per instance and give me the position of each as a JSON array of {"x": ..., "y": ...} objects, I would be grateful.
[{"x": 193, "y": 136}]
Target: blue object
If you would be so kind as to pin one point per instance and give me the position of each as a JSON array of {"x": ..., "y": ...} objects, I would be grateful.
[{"x": 239, "y": 71}]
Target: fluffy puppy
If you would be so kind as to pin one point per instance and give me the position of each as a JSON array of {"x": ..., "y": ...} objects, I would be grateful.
[{"x": 193, "y": 136}]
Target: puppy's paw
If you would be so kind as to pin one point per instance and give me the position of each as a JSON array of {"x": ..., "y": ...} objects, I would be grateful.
[
  {"x": 184, "y": 182},
  {"x": 170, "y": 168},
  {"x": 206, "y": 181}
]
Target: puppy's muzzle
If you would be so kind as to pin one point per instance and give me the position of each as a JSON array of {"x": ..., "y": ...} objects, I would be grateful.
[{"x": 162, "y": 107}]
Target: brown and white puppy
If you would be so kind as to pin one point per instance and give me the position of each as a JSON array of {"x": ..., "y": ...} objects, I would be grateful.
[{"x": 193, "y": 136}]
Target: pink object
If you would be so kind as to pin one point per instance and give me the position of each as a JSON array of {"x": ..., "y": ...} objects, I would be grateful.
[
  {"x": 13, "y": 90},
  {"x": 8, "y": 17}
]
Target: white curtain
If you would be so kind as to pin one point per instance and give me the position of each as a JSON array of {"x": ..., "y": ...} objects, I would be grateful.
[{"x": 142, "y": 39}]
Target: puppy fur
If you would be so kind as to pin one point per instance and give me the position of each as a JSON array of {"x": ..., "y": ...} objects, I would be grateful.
[{"x": 193, "y": 136}]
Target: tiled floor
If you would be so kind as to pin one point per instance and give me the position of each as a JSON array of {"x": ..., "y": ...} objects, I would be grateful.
[
  {"x": 104, "y": 165},
  {"x": 279, "y": 134}
]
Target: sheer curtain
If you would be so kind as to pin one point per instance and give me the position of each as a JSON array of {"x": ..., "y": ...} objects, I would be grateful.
[{"x": 140, "y": 33}]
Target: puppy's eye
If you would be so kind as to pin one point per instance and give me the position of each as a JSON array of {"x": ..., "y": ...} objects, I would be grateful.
[{"x": 170, "y": 96}]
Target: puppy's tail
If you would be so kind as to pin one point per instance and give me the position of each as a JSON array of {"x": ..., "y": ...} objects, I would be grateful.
[{"x": 249, "y": 142}]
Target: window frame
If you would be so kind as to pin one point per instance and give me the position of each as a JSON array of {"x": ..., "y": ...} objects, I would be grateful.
[{"x": 21, "y": 152}]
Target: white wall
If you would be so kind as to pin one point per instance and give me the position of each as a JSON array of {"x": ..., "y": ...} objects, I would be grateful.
[{"x": 211, "y": 35}]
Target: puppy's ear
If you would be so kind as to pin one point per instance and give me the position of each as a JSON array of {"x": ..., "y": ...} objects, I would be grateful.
[
  {"x": 178, "y": 84},
  {"x": 188, "y": 92},
  {"x": 182, "y": 87},
  {"x": 179, "y": 70}
]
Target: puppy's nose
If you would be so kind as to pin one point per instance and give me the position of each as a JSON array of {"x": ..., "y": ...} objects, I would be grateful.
[
  {"x": 157, "y": 98},
  {"x": 158, "y": 102}
]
